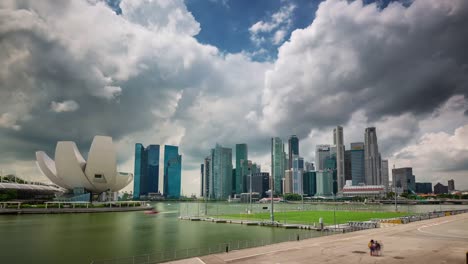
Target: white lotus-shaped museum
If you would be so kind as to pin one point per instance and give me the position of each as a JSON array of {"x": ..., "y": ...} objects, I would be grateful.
[{"x": 71, "y": 171}]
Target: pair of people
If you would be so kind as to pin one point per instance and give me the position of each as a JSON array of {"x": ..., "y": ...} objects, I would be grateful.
[{"x": 374, "y": 247}]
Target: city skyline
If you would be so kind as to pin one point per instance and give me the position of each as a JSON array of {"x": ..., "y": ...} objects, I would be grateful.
[{"x": 148, "y": 72}]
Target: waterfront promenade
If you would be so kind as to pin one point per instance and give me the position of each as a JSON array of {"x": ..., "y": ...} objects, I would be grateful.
[{"x": 439, "y": 240}]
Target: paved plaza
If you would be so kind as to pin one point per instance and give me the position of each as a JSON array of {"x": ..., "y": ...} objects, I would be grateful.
[{"x": 439, "y": 240}]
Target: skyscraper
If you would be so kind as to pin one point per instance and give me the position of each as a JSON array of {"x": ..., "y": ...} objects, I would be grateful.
[
  {"x": 293, "y": 149},
  {"x": 347, "y": 165},
  {"x": 324, "y": 183},
  {"x": 241, "y": 170},
  {"x": 424, "y": 187},
  {"x": 330, "y": 166},
  {"x": 297, "y": 171},
  {"x": 202, "y": 180},
  {"x": 321, "y": 153},
  {"x": 372, "y": 157},
  {"x": 309, "y": 183},
  {"x": 256, "y": 168},
  {"x": 208, "y": 177},
  {"x": 288, "y": 182},
  {"x": 384, "y": 173},
  {"x": 451, "y": 185},
  {"x": 404, "y": 179},
  {"x": 233, "y": 183},
  {"x": 146, "y": 170},
  {"x": 340, "y": 151},
  {"x": 172, "y": 171},
  {"x": 309, "y": 166},
  {"x": 260, "y": 183},
  {"x": 277, "y": 164},
  {"x": 358, "y": 175},
  {"x": 221, "y": 172}
]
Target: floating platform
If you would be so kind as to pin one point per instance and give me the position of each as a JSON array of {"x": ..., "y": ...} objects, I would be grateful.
[
  {"x": 73, "y": 210},
  {"x": 251, "y": 223}
]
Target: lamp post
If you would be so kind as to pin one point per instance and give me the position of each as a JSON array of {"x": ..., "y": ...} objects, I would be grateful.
[
  {"x": 396, "y": 194},
  {"x": 206, "y": 205},
  {"x": 334, "y": 209},
  {"x": 334, "y": 202},
  {"x": 250, "y": 175},
  {"x": 302, "y": 187},
  {"x": 302, "y": 198},
  {"x": 272, "y": 216}
]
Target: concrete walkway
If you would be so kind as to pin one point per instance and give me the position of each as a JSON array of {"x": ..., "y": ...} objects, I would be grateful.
[{"x": 439, "y": 240}]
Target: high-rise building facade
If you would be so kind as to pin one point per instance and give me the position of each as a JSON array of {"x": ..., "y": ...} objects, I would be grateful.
[
  {"x": 358, "y": 176},
  {"x": 309, "y": 183},
  {"x": 451, "y": 185},
  {"x": 404, "y": 179},
  {"x": 309, "y": 166},
  {"x": 293, "y": 149},
  {"x": 288, "y": 182},
  {"x": 340, "y": 152},
  {"x": 221, "y": 159},
  {"x": 322, "y": 152},
  {"x": 256, "y": 168},
  {"x": 439, "y": 188},
  {"x": 372, "y": 158},
  {"x": 324, "y": 183},
  {"x": 277, "y": 164},
  {"x": 384, "y": 173},
  {"x": 207, "y": 177},
  {"x": 172, "y": 172},
  {"x": 202, "y": 180},
  {"x": 241, "y": 169},
  {"x": 260, "y": 183},
  {"x": 424, "y": 187},
  {"x": 146, "y": 170},
  {"x": 347, "y": 165},
  {"x": 297, "y": 171}
]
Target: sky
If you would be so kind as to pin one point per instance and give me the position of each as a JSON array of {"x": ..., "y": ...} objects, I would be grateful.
[{"x": 199, "y": 72}]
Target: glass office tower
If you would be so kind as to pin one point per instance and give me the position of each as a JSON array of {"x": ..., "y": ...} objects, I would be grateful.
[
  {"x": 146, "y": 171},
  {"x": 221, "y": 184},
  {"x": 241, "y": 168},
  {"x": 172, "y": 171},
  {"x": 372, "y": 159},
  {"x": 278, "y": 164},
  {"x": 293, "y": 144},
  {"x": 358, "y": 175},
  {"x": 309, "y": 183}
]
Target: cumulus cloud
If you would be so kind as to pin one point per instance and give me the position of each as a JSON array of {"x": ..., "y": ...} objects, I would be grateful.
[
  {"x": 8, "y": 120},
  {"x": 278, "y": 24},
  {"x": 438, "y": 156},
  {"x": 65, "y": 106},
  {"x": 359, "y": 57},
  {"x": 137, "y": 77},
  {"x": 143, "y": 77},
  {"x": 161, "y": 15}
]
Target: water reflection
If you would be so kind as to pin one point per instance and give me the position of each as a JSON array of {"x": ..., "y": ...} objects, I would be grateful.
[{"x": 80, "y": 238}]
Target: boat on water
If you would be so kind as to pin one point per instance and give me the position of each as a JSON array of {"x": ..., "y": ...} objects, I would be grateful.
[{"x": 151, "y": 211}]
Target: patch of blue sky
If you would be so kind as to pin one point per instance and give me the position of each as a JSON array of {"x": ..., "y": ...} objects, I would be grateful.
[{"x": 225, "y": 24}]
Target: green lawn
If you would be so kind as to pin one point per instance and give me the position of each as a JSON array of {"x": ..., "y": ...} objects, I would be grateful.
[{"x": 309, "y": 217}]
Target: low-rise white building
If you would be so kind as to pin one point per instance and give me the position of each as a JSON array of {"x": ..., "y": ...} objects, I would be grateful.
[{"x": 364, "y": 191}]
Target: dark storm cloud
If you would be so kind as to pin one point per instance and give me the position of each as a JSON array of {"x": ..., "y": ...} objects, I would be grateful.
[
  {"x": 386, "y": 62},
  {"x": 142, "y": 77},
  {"x": 40, "y": 67},
  {"x": 459, "y": 165}
]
